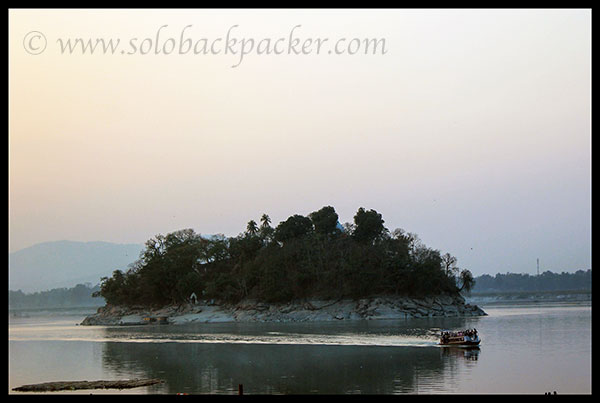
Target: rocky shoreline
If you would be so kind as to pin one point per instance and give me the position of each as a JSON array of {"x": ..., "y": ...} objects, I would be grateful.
[{"x": 382, "y": 307}]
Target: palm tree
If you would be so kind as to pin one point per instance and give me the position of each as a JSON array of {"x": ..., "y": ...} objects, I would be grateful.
[
  {"x": 265, "y": 220},
  {"x": 252, "y": 228},
  {"x": 266, "y": 231}
]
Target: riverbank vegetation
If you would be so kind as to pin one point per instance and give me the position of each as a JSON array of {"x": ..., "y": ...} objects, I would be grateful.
[
  {"x": 547, "y": 281},
  {"x": 302, "y": 257},
  {"x": 78, "y": 296}
]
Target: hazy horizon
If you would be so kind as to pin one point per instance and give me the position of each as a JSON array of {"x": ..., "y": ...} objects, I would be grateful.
[{"x": 472, "y": 130}]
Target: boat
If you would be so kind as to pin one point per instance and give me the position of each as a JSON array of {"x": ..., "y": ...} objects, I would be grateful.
[{"x": 467, "y": 337}]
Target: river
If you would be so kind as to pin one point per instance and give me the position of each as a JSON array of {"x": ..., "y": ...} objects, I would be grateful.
[{"x": 526, "y": 348}]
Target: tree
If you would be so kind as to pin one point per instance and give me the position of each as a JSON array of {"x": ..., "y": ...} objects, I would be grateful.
[
  {"x": 449, "y": 264},
  {"x": 265, "y": 220},
  {"x": 266, "y": 231},
  {"x": 348, "y": 228},
  {"x": 369, "y": 226},
  {"x": 466, "y": 278},
  {"x": 112, "y": 288},
  {"x": 294, "y": 227},
  {"x": 243, "y": 249},
  {"x": 301, "y": 258},
  {"x": 154, "y": 279},
  {"x": 216, "y": 249},
  {"x": 325, "y": 221},
  {"x": 252, "y": 228}
]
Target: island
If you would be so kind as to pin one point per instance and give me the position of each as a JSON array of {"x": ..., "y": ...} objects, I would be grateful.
[{"x": 307, "y": 268}]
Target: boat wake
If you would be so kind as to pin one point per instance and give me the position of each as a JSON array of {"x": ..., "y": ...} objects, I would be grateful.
[
  {"x": 347, "y": 339},
  {"x": 192, "y": 334}
]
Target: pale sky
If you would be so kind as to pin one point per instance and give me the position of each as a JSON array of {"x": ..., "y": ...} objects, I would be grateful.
[{"x": 472, "y": 130}]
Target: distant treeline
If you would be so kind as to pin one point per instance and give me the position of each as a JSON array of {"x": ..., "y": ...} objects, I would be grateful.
[
  {"x": 303, "y": 256},
  {"x": 78, "y": 296},
  {"x": 546, "y": 281}
]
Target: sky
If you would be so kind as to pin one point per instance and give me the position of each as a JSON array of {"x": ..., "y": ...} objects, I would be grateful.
[{"x": 469, "y": 128}]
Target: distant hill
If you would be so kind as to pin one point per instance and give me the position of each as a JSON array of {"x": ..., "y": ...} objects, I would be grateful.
[{"x": 58, "y": 264}]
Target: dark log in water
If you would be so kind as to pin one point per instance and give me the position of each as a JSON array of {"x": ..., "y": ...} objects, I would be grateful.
[{"x": 75, "y": 385}]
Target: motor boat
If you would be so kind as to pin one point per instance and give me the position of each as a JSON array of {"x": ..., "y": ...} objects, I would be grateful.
[{"x": 467, "y": 337}]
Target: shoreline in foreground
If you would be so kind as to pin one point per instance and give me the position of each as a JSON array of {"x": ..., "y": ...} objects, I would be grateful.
[
  {"x": 380, "y": 307},
  {"x": 58, "y": 386}
]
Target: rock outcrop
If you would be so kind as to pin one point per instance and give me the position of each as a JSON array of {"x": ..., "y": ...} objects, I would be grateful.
[{"x": 384, "y": 307}]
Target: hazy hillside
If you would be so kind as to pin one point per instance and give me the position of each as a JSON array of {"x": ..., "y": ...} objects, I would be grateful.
[{"x": 59, "y": 264}]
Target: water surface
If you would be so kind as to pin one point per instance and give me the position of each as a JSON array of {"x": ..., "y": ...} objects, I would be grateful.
[{"x": 526, "y": 348}]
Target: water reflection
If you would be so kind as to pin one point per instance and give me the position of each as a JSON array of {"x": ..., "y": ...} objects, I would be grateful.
[
  {"x": 219, "y": 368},
  {"x": 465, "y": 353},
  {"x": 342, "y": 361}
]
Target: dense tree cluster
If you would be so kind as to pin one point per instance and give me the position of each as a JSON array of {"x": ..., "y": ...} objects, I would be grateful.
[
  {"x": 301, "y": 257},
  {"x": 546, "y": 281},
  {"x": 78, "y": 296}
]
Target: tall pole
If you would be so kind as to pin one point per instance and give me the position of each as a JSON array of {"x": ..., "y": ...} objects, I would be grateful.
[{"x": 537, "y": 279}]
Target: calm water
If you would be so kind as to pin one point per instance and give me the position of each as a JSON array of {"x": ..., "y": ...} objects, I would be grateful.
[{"x": 526, "y": 348}]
